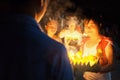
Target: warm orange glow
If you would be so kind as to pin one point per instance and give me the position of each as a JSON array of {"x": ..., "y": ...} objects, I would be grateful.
[
  {"x": 72, "y": 42},
  {"x": 76, "y": 58}
]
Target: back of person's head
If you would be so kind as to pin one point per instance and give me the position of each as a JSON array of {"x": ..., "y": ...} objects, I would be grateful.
[
  {"x": 34, "y": 8},
  {"x": 15, "y": 2},
  {"x": 23, "y": 3}
]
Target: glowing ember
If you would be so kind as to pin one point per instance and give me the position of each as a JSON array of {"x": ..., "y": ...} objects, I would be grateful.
[{"x": 78, "y": 59}]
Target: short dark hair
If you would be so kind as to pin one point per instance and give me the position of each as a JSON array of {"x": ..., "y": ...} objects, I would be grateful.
[{"x": 96, "y": 17}]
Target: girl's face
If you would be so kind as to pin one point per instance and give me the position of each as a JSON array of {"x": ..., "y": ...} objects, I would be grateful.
[
  {"x": 72, "y": 26},
  {"x": 51, "y": 27},
  {"x": 72, "y": 23},
  {"x": 90, "y": 28}
]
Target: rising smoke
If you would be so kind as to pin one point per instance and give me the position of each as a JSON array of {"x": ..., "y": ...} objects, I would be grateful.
[{"x": 59, "y": 10}]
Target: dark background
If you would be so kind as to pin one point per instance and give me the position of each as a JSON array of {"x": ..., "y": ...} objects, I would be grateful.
[{"x": 108, "y": 8}]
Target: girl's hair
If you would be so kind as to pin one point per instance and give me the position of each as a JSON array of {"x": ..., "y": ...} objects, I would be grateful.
[{"x": 97, "y": 18}]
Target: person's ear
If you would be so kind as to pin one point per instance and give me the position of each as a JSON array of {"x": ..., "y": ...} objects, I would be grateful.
[{"x": 41, "y": 9}]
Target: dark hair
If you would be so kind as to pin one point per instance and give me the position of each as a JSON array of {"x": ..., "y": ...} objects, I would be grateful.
[
  {"x": 97, "y": 18},
  {"x": 15, "y": 2}
]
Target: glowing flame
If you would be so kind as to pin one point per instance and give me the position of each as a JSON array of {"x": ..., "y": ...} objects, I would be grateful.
[{"x": 77, "y": 58}]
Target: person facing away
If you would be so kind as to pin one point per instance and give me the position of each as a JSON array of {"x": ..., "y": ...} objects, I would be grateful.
[
  {"x": 26, "y": 52},
  {"x": 99, "y": 46}
]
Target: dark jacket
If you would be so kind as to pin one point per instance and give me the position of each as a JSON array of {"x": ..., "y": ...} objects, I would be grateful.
[{"x": 29, "y": 54}]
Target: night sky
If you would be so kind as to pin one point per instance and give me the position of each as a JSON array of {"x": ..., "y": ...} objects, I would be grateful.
[{"x": 108, "y": 8}]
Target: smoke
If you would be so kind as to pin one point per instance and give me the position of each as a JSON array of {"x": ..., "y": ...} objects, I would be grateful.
[{"x": 58, "y": 10}]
